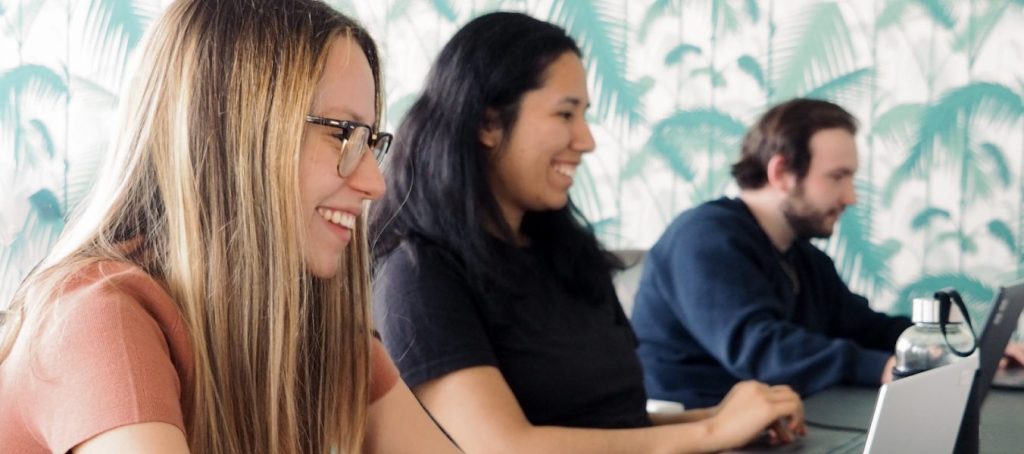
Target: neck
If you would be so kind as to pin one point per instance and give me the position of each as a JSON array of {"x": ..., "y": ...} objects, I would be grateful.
[
  {"x": 766, "y": 205},
  {"x": 514, "y": 220}
]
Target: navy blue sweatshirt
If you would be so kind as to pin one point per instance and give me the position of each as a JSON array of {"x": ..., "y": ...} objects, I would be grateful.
[{"x": 718, "y": 303}]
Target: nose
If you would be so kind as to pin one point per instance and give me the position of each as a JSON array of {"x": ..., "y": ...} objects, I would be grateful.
[
  {"x": 850, "y": 197},
  {"x": 367, "y": 178},
  {"x": 582, "y": 139}
]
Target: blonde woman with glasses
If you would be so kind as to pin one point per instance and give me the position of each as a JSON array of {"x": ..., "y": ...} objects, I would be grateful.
[{"x": 213, "y": 294}]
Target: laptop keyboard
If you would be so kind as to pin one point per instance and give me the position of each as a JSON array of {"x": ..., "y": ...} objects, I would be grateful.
[
  {"x": 1009, "y": 379},
  {"x": 855, "y": 445}
]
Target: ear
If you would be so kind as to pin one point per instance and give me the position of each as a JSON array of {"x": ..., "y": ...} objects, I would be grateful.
[
  {"x": 491, "y": 132},
  {"x": 779, "y": 174}
]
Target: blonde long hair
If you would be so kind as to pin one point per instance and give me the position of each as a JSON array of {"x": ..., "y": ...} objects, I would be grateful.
[{"x": 204, "y": 178}]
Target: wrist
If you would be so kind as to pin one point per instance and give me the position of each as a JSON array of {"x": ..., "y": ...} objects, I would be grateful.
[
  {"x": 887, "y": 370},
  {"x": 706, "y": 438},
  {"x": 688, "y": 437}
]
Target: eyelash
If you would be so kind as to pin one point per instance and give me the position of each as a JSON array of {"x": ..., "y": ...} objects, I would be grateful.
[{"x": 566, "y": 115}]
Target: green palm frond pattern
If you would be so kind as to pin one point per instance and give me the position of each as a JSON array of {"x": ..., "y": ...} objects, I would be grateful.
[
  {"x": 815, "y": 49},
  {"x": 862, "y": 260},
  {"x": 895, "y": 11},
  {"x": 935, "y": 84},
  {"x": 977, "y": 294},
  {"x": 603, "y": 39}
]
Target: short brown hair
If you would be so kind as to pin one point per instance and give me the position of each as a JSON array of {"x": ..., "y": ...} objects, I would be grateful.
[{"x": 786, "y": 130}]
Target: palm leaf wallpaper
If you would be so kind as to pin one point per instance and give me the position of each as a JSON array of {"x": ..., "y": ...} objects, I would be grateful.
[{"x": 938, "y": 87}]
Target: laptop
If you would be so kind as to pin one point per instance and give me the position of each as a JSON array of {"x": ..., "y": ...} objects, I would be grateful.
[
  {"x": 920, "y": 413},
  {"x": 886, "y": 432},
  {"x": 845, "y": 432},
  {"x": 999, "y": 327},
  {"x": 1011, "y": 379}
]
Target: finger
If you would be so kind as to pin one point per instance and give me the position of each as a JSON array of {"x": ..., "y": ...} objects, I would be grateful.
[
  {"x": 791, "y": 409},
  {"x": 798, "y": 425},
  {"x": 781, "y": 428},
  {"x": 783, "y": 391},
  {"x": 782, "y": 388},
  {"x": 1015, "y": 352},
  {"x": 780, "y": 398},
  {"x": 785, "y": 397},
  {"x": 801, "y": 431}
]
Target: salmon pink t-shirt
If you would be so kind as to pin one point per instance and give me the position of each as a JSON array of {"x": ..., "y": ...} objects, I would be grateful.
[{"x": 114, "y": 351}]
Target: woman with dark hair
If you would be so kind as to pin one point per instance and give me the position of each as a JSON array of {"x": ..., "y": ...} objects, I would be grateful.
[{"x": 492, "y": 295}]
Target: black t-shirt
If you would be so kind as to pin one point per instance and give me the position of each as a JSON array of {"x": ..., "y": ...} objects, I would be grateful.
[{"x": 569, "y": 362}]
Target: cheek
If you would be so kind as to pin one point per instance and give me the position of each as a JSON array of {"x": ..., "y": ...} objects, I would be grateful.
[
  {"x": 819, "y": 191},
  {"x": 307, "y": 185},
  {"x": 518, "y": 167},
  {"x": 820, "y": 198},
  {"x": 836, "y": 190},
  {"x": 553, "y": 136},
  {"x": 317, "y": 175}
]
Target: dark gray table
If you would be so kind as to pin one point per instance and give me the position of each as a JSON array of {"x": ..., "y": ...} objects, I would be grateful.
[
  {"x": 1002, "y": 422},
  {"x": 839, "y": 415}
]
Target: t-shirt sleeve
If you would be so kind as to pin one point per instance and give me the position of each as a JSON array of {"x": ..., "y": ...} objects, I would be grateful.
[
  {"x": 100, "y": 362},
  {"x": 383, "y": 374},
  {"x": 425, "y": 312}
]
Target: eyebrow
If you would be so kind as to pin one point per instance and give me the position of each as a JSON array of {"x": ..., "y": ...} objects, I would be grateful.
[
  {"x": 574, "y": 101},
  {"x": 844, "y": 171},
  {"x": 346, "y": 114}
]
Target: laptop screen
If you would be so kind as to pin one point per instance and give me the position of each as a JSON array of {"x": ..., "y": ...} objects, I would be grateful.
[
  {"x": 917, "y": 413},
  {"x": 1001, "y": 322}
]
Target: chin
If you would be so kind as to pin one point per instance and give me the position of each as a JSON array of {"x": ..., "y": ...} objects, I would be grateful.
[
  {"x": 323, "y": 269},
  {"x": 558, "y": 203}
]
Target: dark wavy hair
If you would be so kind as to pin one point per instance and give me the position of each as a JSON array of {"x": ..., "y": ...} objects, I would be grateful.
[
  {"x": 786, "y": 130},
  {"x": 438, "y": 185}
]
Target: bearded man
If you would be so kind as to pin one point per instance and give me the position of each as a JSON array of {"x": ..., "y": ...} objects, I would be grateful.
[{"x": 734, "y": 290}]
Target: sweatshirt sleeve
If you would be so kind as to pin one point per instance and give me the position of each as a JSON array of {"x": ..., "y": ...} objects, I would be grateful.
[{"x": 857, "y": 321}]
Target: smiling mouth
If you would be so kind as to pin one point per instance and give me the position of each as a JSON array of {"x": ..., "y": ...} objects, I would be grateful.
[
  {"x": 565, "y": 169},
  {"x": 339, "y": 218}
]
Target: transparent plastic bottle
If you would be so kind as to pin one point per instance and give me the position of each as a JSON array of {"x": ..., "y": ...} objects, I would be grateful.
[{"x": 922, "y": 346}]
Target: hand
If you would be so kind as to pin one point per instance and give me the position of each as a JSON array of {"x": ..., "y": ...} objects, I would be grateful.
[
  {"x": 751, "y": 407},
  {"x": 887, "y": 370},
  {"x": 1013, "y": 356}
]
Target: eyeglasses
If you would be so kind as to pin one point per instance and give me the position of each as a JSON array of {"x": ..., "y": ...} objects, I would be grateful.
[{"x": 356, "y": 138}]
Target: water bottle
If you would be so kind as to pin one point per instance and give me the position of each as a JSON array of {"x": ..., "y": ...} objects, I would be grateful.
[
  {"x": 938, "y": 337},
  {"x": 925, "y": 345}
]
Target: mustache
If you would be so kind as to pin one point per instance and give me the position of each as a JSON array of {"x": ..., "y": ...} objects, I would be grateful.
[{"x": 836, "y": 211}]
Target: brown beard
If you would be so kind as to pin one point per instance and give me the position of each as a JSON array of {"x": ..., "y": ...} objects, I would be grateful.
[{"x": 806, "y": 221}]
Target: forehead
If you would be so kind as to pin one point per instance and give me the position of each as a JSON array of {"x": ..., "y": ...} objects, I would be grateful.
[
  {"x": 346, "y": 90},
  {"x": 833, "y": 149},
  {"x": 564, "y": 77}
]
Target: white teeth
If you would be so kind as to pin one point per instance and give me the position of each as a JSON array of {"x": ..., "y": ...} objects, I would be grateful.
[
  {"x": 347, "y": 220},
  {"x": 566, "y": 169}
]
